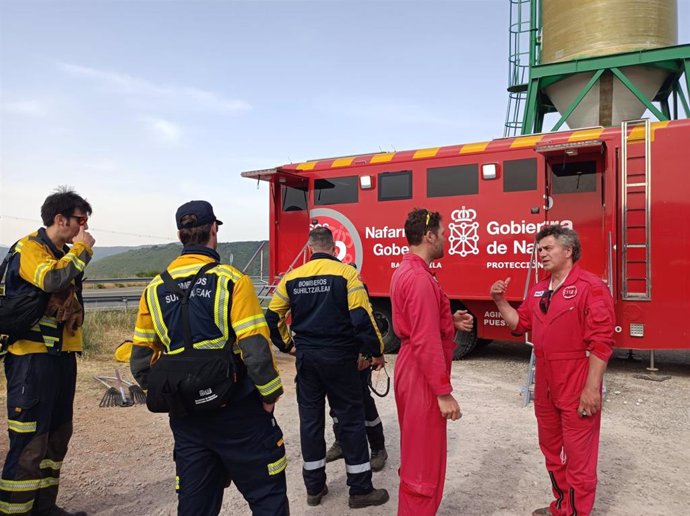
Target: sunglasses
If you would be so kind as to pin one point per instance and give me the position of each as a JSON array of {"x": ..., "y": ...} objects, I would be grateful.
[
  {"x": 81, "y": 219},
  {"x": 545, "y": 301},
  {"x": 426, "y": 223}
]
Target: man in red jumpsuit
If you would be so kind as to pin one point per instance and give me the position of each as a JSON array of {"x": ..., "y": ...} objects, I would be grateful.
[
  {"x": 426, "y": 327},
  {"x": 571, "y": 319}
]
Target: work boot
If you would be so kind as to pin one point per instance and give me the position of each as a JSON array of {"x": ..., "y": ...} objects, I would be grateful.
[
  {"x": 378, "y": 459},
  {"x": 314, "y": 500},
  {"x": 544, "y": 511},
  {"x": 375, "y": 497},
  {"x": 335, "y": 452},
  {"x": 59, "y": 511}
]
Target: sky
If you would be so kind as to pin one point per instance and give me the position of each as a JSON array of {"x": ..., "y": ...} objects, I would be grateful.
[{"x": 142, "y": 105}]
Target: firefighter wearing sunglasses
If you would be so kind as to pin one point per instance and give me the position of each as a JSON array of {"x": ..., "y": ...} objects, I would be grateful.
[
  {"x": 41, "y": 366},
  {"x": 570, "y": 317}
]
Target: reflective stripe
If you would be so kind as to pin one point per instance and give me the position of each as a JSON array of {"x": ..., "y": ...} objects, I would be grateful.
[
  {"x": 40, "y": 274},
  {"x": 221, "y": 306},
  {"x": 217, "y": 343},
  {"x": 375, "y": 422},
  {"x": 157, "y": 316},
  {"x": 261, "y": 324},
  {"x": 16, "y": 508},
  {"x": 355, "y": 289},
  {"x": 270, "y": 387},
  {"x": 276, "y": 467},
  {"x": 222, "y": 271},
  {"x": 78, "y": 264},
  {"x": 249, "y": 323},
  {"x": 21, "y": 427},
  {"x": 358, "y": 468},
  {"x": 144, "y": 335},
  {"x": 50, "y": 322},
  {"x": 335, "y": 420},
  {"x": 315, "y": 464},
  {"x": 281, "y": 296},
  {"x": 187, "y": 270},
  {"x": 177, "y": 482},
  {"x": 16, "y": 486},
  {"x": 50, "y": 464}
]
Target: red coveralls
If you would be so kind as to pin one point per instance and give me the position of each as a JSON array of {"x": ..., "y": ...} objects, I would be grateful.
[
  {"x": 579, "y": 322},
  {"x": 423, "y": 321}
]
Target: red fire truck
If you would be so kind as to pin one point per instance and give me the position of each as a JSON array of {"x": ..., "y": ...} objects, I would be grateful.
[{"x": 625, "y": 190}]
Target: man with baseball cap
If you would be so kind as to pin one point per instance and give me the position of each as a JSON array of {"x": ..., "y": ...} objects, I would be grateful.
[
  {"x": 200, "y": 312},
  {"x": 194, "y": 214}
]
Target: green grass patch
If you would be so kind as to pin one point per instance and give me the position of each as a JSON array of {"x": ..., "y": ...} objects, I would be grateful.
[{"x": 104, "y": 330}]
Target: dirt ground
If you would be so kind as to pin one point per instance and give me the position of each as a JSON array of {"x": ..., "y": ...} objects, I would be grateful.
[{"x": 120, "y": 460}]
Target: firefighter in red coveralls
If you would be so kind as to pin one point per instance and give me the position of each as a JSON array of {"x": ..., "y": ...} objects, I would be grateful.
[
  {"x": 571, "y": 320},
  {"x": 426, "y": 327}
]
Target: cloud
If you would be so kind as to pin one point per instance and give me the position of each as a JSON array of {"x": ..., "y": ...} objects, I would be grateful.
[
  {"x": 23, "y": 107},
  {"x": 163, "y": 130},
  {"x": 129, "y": 85}
]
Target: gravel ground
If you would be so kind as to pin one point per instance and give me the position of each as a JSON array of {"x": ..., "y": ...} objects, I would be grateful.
[{"x": 120, "y": 460}]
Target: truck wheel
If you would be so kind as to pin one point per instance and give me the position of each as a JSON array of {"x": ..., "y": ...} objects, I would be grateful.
[
  {"x": 384, "y": 320},
  {"x": 482, "y": 343},
  {"x": 466, "y": 341}
]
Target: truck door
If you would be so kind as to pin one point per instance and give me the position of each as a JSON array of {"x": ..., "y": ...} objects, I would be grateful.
[
  {"x": 575, "y": 196},
  {"x": 290, "y": 224}
]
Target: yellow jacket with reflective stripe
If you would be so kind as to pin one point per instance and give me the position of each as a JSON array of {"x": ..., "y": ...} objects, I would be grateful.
[
  {"x": 38, "y": 263},
  {"x": 223, "y": 308}
]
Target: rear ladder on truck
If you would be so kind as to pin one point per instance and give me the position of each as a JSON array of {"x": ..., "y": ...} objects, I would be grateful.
[
  {"x": 266, "y": 289},
  {"x": 636, "y": 169}
]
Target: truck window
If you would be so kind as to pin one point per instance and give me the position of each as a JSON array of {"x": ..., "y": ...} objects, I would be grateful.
[
  {"x": 448, "y": 181},
  {"x": 574, "y": 177},
  {"x": 294, "y": 198},
  {"x": 520, "y": 175},
  {"x": 336, "y": 190},
  {"x": 395, "y": 185}
]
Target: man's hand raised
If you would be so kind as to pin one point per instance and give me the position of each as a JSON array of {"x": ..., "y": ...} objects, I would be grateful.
[
  {"x": 84, "y": 236},
  {"x": 499, "y": 288}
]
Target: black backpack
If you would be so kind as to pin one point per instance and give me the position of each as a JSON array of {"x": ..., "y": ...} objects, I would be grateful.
[
  {"x": 194, "y": 379},
  {"x": 19, "y": 313}
]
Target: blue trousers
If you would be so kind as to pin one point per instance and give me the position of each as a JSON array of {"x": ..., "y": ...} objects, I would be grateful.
[
  {"x": 40, "y": 394},
  {"x": 240, "y": 444},
  {"x": 372, "y": 421},
  {"x": 321, "y": 374}
]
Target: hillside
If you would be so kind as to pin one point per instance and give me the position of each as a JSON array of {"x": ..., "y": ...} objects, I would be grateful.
[
  {"x": 98, "y": 252},
  {"x": 148, "y": 261}
]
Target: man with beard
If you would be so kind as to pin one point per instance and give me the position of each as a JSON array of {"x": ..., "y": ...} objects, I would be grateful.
[
  {"x": 41, "y": 363},
  {"x": 423, "y": 320}
]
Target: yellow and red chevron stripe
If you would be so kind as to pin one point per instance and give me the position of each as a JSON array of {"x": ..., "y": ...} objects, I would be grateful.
[{"x": 497, "y": 145}]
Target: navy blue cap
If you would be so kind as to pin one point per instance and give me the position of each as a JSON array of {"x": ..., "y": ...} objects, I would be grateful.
[{"x": 201, "y": 209}]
